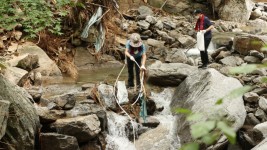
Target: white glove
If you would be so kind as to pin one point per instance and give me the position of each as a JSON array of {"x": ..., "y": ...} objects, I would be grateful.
[
  {"x": 132, "y": 58},
  {"x": 203, "y": 31},
  {"x": 143, "y": 67}
]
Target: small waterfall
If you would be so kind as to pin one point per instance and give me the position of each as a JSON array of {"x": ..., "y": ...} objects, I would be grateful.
[{"x": 117, "y": 138}]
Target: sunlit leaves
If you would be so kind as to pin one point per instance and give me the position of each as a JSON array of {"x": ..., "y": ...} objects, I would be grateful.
[
  {"x": 243, "y": 69},
  {"x": 190, "y": 146},
  {"x": 201, "y": 129},
  {"x": 238, "y": 92}
]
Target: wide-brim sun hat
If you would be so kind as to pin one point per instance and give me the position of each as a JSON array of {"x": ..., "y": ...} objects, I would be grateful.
[{"x": 135, "y": 40}]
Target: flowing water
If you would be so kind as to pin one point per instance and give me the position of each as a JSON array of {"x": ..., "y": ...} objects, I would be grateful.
[{"x": 117, "y": 138}]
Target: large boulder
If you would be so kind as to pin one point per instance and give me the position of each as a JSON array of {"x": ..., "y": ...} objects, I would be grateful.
[
  {"x": 200, "y": 91},
  {"x": 243, "y": 44},
  {"x": 176, "y": 56},
  {"x": 51, "y": 141},
  {"x": 261, "y": 146},
  {"x": 107, "y": 95},
  {"x": 4, "y": 113},
  {"x": 84, "y": 128},
  {"x": 23, "y": 126},
  {"x": 14, "y": 74},
  {"x": 47, "y": 66},
  {"x": 235, "y": 10},
  {"x": 168, "y": 74}
]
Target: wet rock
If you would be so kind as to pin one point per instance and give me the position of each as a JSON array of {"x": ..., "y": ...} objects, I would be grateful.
[
  {"x": 233, "y": 10},
  {"x": 252, "y": 59},
  {"x": 51, "y": 141},
  {"x": 168, "y": 74},
  {"x": 210, "y": 86},
  {"x": 106, "y": 94},
  {"x": 175, "y": 56},
  {"x": 4, "y": 111},
  {"x": 29, "y": 63},
  {"x": 21, "y": 131},
  {"x": 251, "y": 97},
  {"x": 65, "y": 102},
  {"x": 215, "y": 53},
  {"x": 155, "y": 139},
  {"x": 155, "y": 43},
  {"x": 150, "y": 122},
  {"x": 143, "y": 24},
  {"x": 232, "y": 61},
  {"x": 83, "y": 128},
  {"x": 144, "y": 10},
  {"x": 257, "y": 54},
  {"x": 150, "y": 19},
  {"x": 251, "y": 120},
  {"x": 243, "y": 44}
]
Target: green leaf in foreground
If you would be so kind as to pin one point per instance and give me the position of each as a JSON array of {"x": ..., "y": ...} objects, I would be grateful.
[
  {"x": 219, "y": 101},
  {"x": 202, "y": 128},
  {"x": 239, "y": 92},
  {"x": 210, "y": 138},
  {"x": 243, "y": 69},
  {"x": 190, "y": 146},
  {"x": 194, "y": 117},
  {"x": 228, "y": 131},
  {"x": 183, "y": 111}
]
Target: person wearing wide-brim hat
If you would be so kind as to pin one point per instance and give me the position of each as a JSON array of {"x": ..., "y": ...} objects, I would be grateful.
[
  {"x": 135, "y": 52},
  {"x": 204, "y": 25}
]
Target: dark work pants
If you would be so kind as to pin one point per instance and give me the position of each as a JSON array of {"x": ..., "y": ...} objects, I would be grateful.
[
  {"x": 131, "y": 65},
  {"x": 204, "y": 54}
]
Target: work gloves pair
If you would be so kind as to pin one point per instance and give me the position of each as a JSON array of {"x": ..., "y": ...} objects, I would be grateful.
[{"x": 142, "y": 67}]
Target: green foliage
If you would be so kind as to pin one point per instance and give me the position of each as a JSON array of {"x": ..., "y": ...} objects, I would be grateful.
[
  {"x": 210, "y": 130},
  {"x": 33, "y": 15}
]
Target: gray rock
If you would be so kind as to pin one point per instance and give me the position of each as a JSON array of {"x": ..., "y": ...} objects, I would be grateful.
[
  {"x": 257, "y": 54},
  {"x": 251, "y": 120},
  {"x": 243, "y": 44},
  {"x": 258, "y": 80},
  {"x": 165, "y": 36},
  {"x": 169, "y": 25},
  {"x": 147, "y": 33},
  {"x": 144, "y": 10},
  {"x": 156, "y": 139},
  {"x": 252, "y": 59},
  {"x": 263, "y": 104},
  {"x": 22, "y": 128},
  {"x": 199, "y": 92},
  {"x": 29, "y": 62},
  {"x": 122, "y": 93},
  {"x": 259, "y": 71},
  {"x": 47, "y": 66},
  {"x": 4, "y": 114},
  {"x": 88, "y": 86},
  {"x": 150, "y": 19},
  {"x": 261, "y": 115},
  {"x": 259, "y": 23},
  {"x": 155, "y": 43},
  {"x": 264, "y": 61},
  {"x": 262, "y": 128},
  {"x": 14, "y": 74},
  {"x": 35, "y": 92},
  {"x": 251, "y": 97},
  {"x": 261, "y": 146},
  {"x": 106, "y": 94},
  {"x": 176, "y": 7},
  {"x": 83, "y": 110},
  {"x": 159, "y": 25},
  {"x": 186, "y": 41},
  {"x": 65, "y": 101},
  {"x": 168, "y": 74},
  {"x": 143, "y": 24},
  {"x": 51, "y": 141},
  {"x": 176, "y": 56},
  {"x": 235, "y": 10},
  {"x": 256, "y": 14},
  {"x": 45, "y": 115},
  {"x": 150, "y": 122},
  {"x": 232, "y": 61},
  {"x": 83, "y": 128},
  {"x": 260, "y": 91},
  {"x": 224, "y": 54},
  {"x": 250, "y": 110}
]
